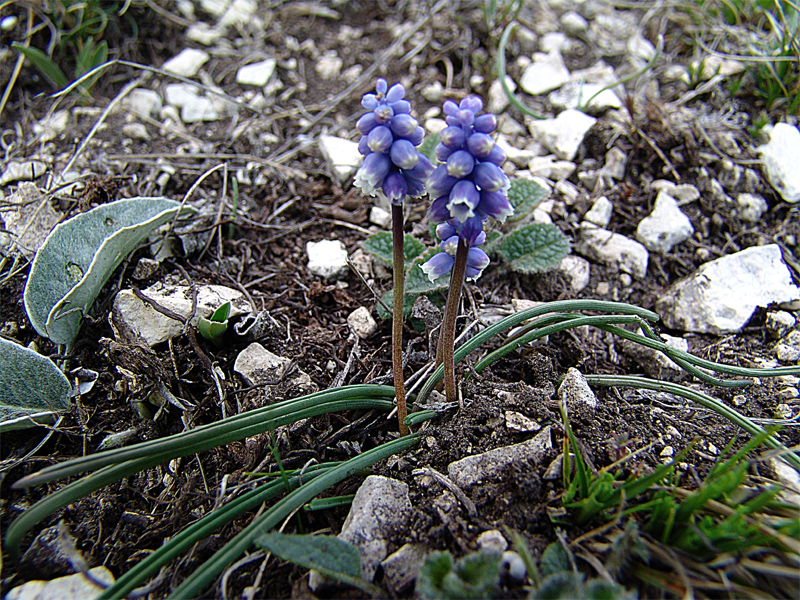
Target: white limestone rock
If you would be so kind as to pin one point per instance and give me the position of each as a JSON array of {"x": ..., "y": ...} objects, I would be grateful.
[
  {"x": 187, "y": 62},
  {"x": 573, "y": 23},
  {"x": 342, "y": 155},
  {"x": 665, "y": 227},
  {"x": 28, "y": 224},
  {"x": 600, "y": 213},
  {"x": 327, "y": 258},
  {"x": 146, "y": 103},
  {"x": 751, "y": 207},
  {"x": 616, "y": 161},
  {"x": 577, "y": 270},
  {"x": 180, "y": 94},
  {"x": 575, "y": 392},
  {"x": 546, "y": 73},
  {"x": 656, "y": 364},
  {"x": 520, "y": 157},
  {"x": 26, "y": 170},
  {"x": 613, "y": 249},
  {"x": 492, "y": 540},
  {"x": 202, "y": 33},
  {"x": 51, "y": 126},
  {"x": 564, "y": 134},
  {"x": 256, "y": 73},
  {"x": 70, "y": 587},
  {"x": 781, "y": 157},
  {"x": 135, "y": 131},
  {"x": 498, "y": 100},
  {"x": 402, "y": 567},
  {"x": 549, "y": 168},
  {"x": 329, "y": 65},
  {"x": 199, "y": 109},
  {"x": 362, "y": 323},
  {"x": 721, "y": 296},
  {"x": 576, "y": 94},
  {"x": 475, "y": 469},
  {"x": 136, "y": 321}
]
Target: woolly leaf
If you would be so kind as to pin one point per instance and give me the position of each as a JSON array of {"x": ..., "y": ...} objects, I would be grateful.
[
  {"x": 428, "y": 147},
  {"x": 379, "y": 245},
  {"x": 525, "y": 195},
  {"x": 534, "y": 248}
]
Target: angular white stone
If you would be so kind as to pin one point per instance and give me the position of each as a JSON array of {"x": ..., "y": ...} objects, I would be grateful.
[
  {"x": 146, "y": 103},
  {"x": 640, "y": 47},
  {"x": 362, "y": 323},
  {"x": 573, "y": 23},
  {"x": 616, "y": 160},
  {"x": 327, "y": 258},
  {"x": 187, "y": 62},
  {"x": 135, "y": 131},
  {"x": 257, "y": 365},
  {"x": 401, "y": 568},
  {"x": 516, "y": 421},
  {"x": 575, "y": 390},
  {"x": 577, "y": 270},
  {"x": 51, "y": 126},
  {"x": 545, "y": 74},
  {"x": 256, "y": 73},
  {"x": 329, "y": 65},
  {"x": 136, "y": 321},
  {"x": 71, "y": 587},
  {"x": 498, "y": 100},
  {"x": 241, "y": 12},
  {"x": 22, "y": 171},
  {"x": 492, "y": 541},
  {"x": 341, "y": 154},
  {"x": 577, "y": 94},
  {"x": 475, "y": 469},
  {"x": 600, "y": 213},
  {"x": 665, "y": 227},
  {"x": 564, "y": 134},
  {"x": 519, "y": 157},
  {"x": 554, "y": 170},
  {"x": 203, "y": 34},
  {"x": 180, "y": 94},
  {"x": 199, "y": 109},
  {"x": 380, "y": 217},
  {"x": 23, "y": 218},
  {"x": 781, "y": 158},
  {"x": 613, "y": 249},
  {"x": 722, "y": 294}
]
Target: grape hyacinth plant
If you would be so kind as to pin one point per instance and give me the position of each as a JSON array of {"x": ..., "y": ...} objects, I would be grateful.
[
  {"x": 392, "y": 165},
  {"x": 468, "y": 188}
]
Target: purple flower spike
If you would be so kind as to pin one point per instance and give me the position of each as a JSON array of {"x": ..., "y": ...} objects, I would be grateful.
[
  {"x": 450, "y": 232},
  {"x": 489, "y": 177},
  {"x": 464, "y": 199},
  {"x": 495, "y": 205},
  {"x": 486, "y": 123},
  {"x": 389, "y": 139},
  {"x": 480, "y": 145},
  {"x": 438, "y": 266}
]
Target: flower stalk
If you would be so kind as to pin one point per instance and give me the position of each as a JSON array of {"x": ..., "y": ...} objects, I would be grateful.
[
  {"x": 398, "y": 260},
  {"x": 447, "y": 338}
]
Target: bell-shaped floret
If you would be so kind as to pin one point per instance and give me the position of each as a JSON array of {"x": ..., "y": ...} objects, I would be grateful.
[
  {"x": 438, "y": 266},
  {"x": 452, "y": 137},
  {"x": 363, "y": 145},
  {"x": 445, "y": 230},
  {"x": 383, "y": 114},
  {"x": 440, "y": 183},
  {"x": 416, "y": 187},
  {"x": 401, "y": 107},
  {"x": 464, "y": 198},
  {"x": 471, "y": 231},
  {"x": 465, "y": 117},
  {"x": 404, "y": 154},
  {"x": 372, "y": 172},
  {"x": 460, "y": 164},
  {"x": 495, "y": 205},
  {"x": 438, "y": 211},
  {"x": 369, "y": 101},
  {"x": 485, "y": 123},
  {"x": 474, "y": 104},
  {"x": 367, "y": 123},
  {"x": 422, "y": 170},
  {"x": 403, "y": 126},
  {"x": 497, "y": 156},
  {"x": 380, "y": 139},
  {"x": 480, "y": 145},
  {"x": 395, "y": 187},
  {"x": 489, "y": 177},
  {"x": 395, "y": 93},
  {"x": 381, "y": 86}
]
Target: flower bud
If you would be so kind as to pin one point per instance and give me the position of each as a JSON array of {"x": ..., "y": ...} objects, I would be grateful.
[
  {"x": 401, "y": 107},
  {"x": 395, "y": 187},
  {"x": 477, "y": 261},
  {"x": 404, "y": 154},
  {"x": 383, "y": 113},
  {"x": 480, "y": 145},
  {"x": 495, "y": 205},
  {"x": 489, "y": 177},
  {"x": 395, "y": 93},
  {"x": 486, "y": 123},
  {"x": 440, "y": 183},
  {"x": 497, "y": 156},
  {"x": 438, "y": 211},
  {"x": 367, "y": 123},
  {"x": 471, "y": 103},
  {"x": 403, "y": 125},
  {"x": 471, "y": 231},
  {"x": 363, "y": 145},
  {"x": 380, "y": 139},
  {"x": 443, "y": 152},
  {"x": 445, "y": 230},
  {"x": 466, "y": 117},
  {"x": 460, "y": 164},
  {"x": 452, "y": 137},
  {"x": 438, "y": 266},
  {"x": 372, "y": 172},
  {"x": 417, "y": 137}
]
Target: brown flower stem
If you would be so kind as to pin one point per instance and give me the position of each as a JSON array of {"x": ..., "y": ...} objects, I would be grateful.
[
  {"x": 398, "y": 256},
  {"x": 447, "y": 337}
]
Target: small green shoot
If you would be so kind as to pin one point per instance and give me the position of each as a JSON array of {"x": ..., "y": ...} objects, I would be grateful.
[
  {"x": 476, "y": 575},
  {"x": 213, "y": 328}
]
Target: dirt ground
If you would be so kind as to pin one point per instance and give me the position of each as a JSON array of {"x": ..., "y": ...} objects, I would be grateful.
[{"x": 266, "y": 257}]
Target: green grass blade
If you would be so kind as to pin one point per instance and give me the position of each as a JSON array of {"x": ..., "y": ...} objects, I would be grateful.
[
  {"x": 202, "y": 577},
  {"x": 500, "y": 66},
  {"x": 44, "y": 63},
  {"x": 225, "y": 431}
]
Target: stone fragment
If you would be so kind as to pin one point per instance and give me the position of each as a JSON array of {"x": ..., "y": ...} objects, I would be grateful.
[
  {"x": 616, "y": 161},
  {"x": 202, "y": 33},
  {"x": 640, "y": 47},
  {"x": 516, "y": 421},
  {"x": 199, "y": 109},
  {"x": 613, "y": 249},
  {"x": 600, "y": 213},
  {"x": 665, "y": 227},
  {"x": 239, "y": 13},
  {"x": 781, "y": 157},
  {"x": 577, "y": 270},
  {"x": 492, "y": 540},
  {"x": 789, "y": 478},
  {"x": 146, "y": 103},
  {"x": 575, "y": 391},
  {"x": 779, "y": 323},
  {"x": 27, "y": 170},
  {"x": 25, "y": 221},
  {"x": 547, "y": 167},
  {"x": 135, "y": 321},
  {"x": 520, "y": 157},
  {"x": 578, "y": 93},
  {"x": 51, "y": 126},
  {"x": 564, "y": 134},
  {"x": 187, "y": 62},
  {"x": 573, "y": 23},
  {"x": 380, "y": 217},
  {"x": 180, "y": 94},
  {"x": 498, "y": 100},
  {"x": 362, "y": 323},
  {"x": 751, "y": 207},
  {"x": 327, "y": 258},
  {"x": 433, "y": 92},
  {"x": 656, "y": 364},
  {"x": 709, "y": 66},
  {"x": 342, "y": 155},
  {"x": 329, "y": 65},
  {"x": 684, "y": 193},
  {"x": 215, "y": 8},
  {"x": 546, "y": 73},
  {"x": 402, "y": 567},
  {"x": 256, "y": 365},
  {"x": 553, "y": 41},
  {"x": 380, "y": 510},
  {"x": 135, "y": 131},
  {"x": 256, "y": 73},
  {"x": 477, "y": 468},
  {"x": 71, "y": 587},
  {"x": 721, "y": 296}
]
